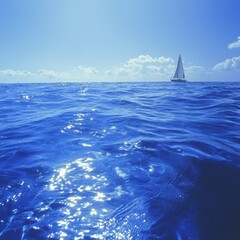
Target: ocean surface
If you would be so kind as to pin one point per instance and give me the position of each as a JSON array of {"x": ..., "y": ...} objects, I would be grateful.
[{"x": 120, "y": 161}]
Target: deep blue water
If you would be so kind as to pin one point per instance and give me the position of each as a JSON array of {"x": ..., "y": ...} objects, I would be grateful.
[{"x": 120, "y": 161}]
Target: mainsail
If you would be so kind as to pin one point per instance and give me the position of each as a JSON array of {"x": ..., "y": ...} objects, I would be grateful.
[{"x": 179, "y": 74}]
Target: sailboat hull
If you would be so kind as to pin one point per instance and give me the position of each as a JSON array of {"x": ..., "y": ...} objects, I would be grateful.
[{"x": 179, "y": 80}]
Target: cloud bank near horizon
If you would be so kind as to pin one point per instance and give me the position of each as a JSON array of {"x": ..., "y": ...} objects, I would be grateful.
[{"x": 141, "y": 68}]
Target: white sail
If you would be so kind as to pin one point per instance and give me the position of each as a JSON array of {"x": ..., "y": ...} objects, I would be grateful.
[{"x": 179, "y": 74}]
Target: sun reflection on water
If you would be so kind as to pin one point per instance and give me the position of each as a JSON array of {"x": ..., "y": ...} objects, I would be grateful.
[
  {"x": 87, "y": 197},
  {"x": 83, "y": 198}
]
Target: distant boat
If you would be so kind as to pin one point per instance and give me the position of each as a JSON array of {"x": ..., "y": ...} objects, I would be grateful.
[{"x": 179, "y": 75}]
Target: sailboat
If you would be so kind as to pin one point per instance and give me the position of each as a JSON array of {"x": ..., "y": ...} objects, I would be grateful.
[{"x": 179, "y": 75}]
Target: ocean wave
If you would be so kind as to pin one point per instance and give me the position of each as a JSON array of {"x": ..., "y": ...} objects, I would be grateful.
[{"x": 120, "y": 161}]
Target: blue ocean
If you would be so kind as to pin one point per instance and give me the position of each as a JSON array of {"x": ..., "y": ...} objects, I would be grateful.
[{"x": 120, "y": 161}]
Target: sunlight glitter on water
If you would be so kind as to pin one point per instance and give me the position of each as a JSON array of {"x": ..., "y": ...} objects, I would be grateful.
[
  {"x": 86, "y": 200},
  {"x": 87, "y": 203}
]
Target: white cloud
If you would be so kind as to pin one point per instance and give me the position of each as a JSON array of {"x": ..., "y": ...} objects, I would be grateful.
[
  {"x": 48, "y": 73},
  {"x": 61, "y": 76},
  {"x": 15, "y": 73},
  {"x": 77, "y": 74},
  {"x": 148, "y": 59},
  {"x": 89, "y": 71},
  {"x": 45, "y": 75},
  {"x": 143, "y": 67},
  {"x": 228, "y": 64},
  {"x": 235, "y": 44}
]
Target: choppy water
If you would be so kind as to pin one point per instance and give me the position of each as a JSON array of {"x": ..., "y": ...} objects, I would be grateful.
[{"x": 120, "y": 161}]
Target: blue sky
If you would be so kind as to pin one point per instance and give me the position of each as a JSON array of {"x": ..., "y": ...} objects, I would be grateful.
[{"x": 118, "y": 40}]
